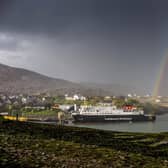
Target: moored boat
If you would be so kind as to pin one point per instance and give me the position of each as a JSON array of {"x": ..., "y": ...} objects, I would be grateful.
[{"x": 110, "y": 114}]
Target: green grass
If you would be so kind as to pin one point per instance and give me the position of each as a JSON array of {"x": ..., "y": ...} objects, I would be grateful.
[
  {"x": 43, "y": 113},
  {"x": 39, "y": 145},
  {"x": 1, "y": 119}
]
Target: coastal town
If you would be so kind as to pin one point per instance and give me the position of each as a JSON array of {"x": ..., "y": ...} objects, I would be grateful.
[{"x": 45, "y": 107}]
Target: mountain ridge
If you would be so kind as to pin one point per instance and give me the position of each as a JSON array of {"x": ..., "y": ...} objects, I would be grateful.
[{"x": 18, "y": 80}]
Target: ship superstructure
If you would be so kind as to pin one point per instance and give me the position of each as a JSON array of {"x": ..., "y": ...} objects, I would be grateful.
[{"x": 111, "y": 113}]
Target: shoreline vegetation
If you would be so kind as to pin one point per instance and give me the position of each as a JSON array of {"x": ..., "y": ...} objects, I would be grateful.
[{"x": 25, "y": 144}]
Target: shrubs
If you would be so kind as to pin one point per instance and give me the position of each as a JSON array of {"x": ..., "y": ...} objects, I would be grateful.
[{"x": 78, "y": 147}]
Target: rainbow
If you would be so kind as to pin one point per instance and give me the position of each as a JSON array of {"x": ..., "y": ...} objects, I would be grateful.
[{"x": 160, "y": 75}]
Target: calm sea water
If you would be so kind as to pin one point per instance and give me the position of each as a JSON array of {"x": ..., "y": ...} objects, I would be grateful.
[{"x": 160, "y": 125}]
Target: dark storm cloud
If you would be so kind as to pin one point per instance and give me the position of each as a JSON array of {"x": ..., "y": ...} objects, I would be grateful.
[
  {"x": 64, "y": 19},
  {"x": 119, "y": 40},
  {"x": 119, "y": 20},
  {"x": 56, "y": 16}
]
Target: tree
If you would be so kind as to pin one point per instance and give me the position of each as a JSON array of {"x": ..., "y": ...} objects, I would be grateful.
[
  {"x": 150, "y": 108},
  {"x": 133, "y": 102},
  {"x": 119, "y": 103}
]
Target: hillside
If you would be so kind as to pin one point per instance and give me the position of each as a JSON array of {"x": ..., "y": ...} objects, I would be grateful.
[
  {"x": 17, "y": 80},
  {"x": 114, "y": 89},
  {"x": 39, "y": 145}
]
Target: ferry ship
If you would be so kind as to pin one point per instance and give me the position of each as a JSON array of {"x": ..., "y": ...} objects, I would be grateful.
[{"x": 110, "y": 114}]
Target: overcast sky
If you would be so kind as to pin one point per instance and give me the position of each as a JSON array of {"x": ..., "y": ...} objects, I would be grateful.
[{"x": 109, "y": 41}]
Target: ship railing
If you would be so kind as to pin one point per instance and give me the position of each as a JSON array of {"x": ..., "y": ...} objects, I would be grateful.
[{"x": 110, "y": 113}]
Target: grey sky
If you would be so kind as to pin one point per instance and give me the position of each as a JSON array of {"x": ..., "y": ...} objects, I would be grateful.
[{"x": 109, "y": 41}]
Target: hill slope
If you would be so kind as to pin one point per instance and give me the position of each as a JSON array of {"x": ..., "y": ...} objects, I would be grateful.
[
  {"x": 32, "y": 145},
  {"x": 16, "y": 80}
]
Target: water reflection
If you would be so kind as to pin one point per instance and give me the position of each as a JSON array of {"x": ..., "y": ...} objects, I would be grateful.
[{"x": 160, "y": 125}]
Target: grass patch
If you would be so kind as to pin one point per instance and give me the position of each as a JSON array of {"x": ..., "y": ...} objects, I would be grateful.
[{"x": 39, "y": 145}]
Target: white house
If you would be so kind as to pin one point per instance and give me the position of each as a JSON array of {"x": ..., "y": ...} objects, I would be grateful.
[
  {"x": 24, "y": 100},
  {"x": 157, "y": 100},
  {"x": 75, "y": 97},
  {"x": 129, "y": 95}
]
